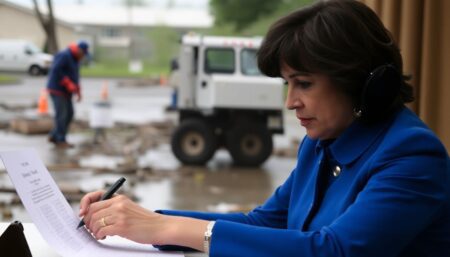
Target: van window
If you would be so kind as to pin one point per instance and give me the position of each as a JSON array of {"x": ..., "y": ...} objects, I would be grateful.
[
  {"x": 32, "y": 49},
  {"x": 219, "y": 60},
  {"x": 249, "y": 64}
]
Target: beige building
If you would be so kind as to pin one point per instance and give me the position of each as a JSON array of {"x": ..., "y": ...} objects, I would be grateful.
[
  {"x": 18, "y": 22},
  {"x": 117, "y": 32}
]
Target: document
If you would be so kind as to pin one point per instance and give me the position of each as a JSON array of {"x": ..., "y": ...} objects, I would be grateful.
[{"x": 55, "y": 219}]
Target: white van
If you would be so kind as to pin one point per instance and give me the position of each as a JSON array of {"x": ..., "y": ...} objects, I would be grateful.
[{"x": 21, "y": 55}]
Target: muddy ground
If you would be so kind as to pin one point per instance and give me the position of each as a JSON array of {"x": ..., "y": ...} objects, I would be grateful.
[{"x": 136, "y": 147}]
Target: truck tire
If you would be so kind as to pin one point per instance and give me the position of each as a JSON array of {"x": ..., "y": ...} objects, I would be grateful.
[
  {"x": 249, "y": 145},
  {"x": 34, "y": 70},
  {"x": 194, "y": 142}
]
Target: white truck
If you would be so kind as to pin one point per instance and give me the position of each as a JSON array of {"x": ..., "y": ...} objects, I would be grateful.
[
  {"x": 224, "y": 101},
  {"x": 24, "y": 56}
]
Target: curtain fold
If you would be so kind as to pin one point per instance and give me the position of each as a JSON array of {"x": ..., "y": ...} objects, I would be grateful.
[{"x": 422, "y": 30}]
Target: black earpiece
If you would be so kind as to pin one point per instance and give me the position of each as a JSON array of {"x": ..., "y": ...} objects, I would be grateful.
[{"x": 381, "y": 91}]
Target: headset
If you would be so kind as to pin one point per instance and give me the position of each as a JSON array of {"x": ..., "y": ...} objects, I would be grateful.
[{"x": 380, "y": 92}]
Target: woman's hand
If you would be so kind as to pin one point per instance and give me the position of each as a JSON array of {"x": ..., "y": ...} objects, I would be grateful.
[{"x": 121, "y": 216}]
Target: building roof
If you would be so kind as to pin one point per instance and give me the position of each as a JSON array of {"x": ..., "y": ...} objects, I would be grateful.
[
  {"x": 31, "y": 12},
  {"x": 121, "y": 16},
  {"x": 136, "y": 16}
]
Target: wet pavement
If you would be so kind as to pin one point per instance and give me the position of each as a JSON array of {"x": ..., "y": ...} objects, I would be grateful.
[{"x": 137, "y": 147}]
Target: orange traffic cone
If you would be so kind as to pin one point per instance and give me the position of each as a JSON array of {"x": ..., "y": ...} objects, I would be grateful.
[
  {"x": 43, "y": 102},
  {"x": 104, "y": 94},
  {"x": 162, "y": 80}
]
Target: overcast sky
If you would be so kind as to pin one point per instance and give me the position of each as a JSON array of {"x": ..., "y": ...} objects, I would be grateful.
[{"x": 157, "y": 3}]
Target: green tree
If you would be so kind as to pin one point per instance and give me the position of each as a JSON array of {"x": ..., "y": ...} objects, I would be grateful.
[
  {"x": 262, "y": 25},
  {"x": 241, "y": 13}
]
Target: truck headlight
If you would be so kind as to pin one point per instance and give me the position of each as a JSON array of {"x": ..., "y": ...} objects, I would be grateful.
[{"x": 274, "y": 122}]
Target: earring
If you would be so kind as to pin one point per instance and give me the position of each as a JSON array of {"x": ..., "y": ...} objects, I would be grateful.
[{"x": 357, "y": 113}]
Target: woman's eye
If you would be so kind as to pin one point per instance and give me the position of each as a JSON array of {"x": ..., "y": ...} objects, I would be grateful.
[{"x": 303, "y": 84}]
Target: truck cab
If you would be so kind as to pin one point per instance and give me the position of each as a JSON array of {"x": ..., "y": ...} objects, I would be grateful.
[{"x": 224, "y": 101}]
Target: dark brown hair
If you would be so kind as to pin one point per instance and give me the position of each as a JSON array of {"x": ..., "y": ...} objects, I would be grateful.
[{"x": 343, "y": 39}]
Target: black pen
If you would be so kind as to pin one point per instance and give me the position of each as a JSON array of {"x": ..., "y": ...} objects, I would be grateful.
[{"x": 113, "y": 189}]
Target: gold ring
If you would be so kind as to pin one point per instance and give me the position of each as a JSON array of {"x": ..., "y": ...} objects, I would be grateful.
[{"x": 102, "y": 221}]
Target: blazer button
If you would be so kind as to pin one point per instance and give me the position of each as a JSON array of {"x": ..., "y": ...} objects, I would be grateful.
[{"x": 336, "y": 171}]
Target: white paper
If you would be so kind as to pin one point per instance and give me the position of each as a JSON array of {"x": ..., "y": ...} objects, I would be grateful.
[{"x": 55, "y": 219}]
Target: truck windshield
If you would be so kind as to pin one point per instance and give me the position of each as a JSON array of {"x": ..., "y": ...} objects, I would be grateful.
[
  {"x": 249, "y": 65},
  {"x": 219, "y": 60}
]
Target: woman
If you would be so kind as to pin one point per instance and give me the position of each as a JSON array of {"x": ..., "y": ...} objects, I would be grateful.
[{"x": 371, "y": 178}]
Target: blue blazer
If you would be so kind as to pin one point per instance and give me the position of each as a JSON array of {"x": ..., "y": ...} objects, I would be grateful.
[{"x": 392, "y": 198}]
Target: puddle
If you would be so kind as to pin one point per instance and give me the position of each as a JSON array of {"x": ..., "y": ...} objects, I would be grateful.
[
  {"x": 101, "y": 162},
  {"x": 137, "y": 147},
  {"x": 160, "y": 158}
]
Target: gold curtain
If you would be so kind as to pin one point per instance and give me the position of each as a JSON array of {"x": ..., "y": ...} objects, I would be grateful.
[{"x": 422, "y": 30}]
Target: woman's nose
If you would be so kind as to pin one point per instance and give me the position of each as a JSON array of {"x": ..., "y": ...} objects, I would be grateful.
[{"x": 293, "y": 100}]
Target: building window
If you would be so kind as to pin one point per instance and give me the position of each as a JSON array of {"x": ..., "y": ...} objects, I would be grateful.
[{"x": 111, "y": 32}]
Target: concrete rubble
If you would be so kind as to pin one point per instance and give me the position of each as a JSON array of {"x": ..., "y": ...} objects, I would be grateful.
[{"x": 141, "y": 152}]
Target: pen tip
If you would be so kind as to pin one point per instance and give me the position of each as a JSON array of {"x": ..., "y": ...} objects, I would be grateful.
[{"x": 80, "y": 224}]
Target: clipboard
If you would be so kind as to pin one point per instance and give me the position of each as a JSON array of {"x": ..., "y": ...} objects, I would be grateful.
[{"x": 13, "y": 241}]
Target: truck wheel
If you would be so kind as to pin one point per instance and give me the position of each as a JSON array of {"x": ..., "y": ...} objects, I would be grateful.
[
  {"x": 249, "y": 145},
  {"x": 194, "y": 142},
  {"x": 34, "y": 70}
]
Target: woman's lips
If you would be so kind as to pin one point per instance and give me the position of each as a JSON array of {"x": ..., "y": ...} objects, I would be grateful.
[{"x": 305, "y": 121}]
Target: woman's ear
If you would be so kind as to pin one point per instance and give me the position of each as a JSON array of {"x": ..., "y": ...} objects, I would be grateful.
[{"x": 380, "y": 92}]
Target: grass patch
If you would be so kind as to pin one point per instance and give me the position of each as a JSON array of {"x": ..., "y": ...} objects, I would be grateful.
[
  {"x": 120, "y": 70},
  {"x": 5, "y": 79}
]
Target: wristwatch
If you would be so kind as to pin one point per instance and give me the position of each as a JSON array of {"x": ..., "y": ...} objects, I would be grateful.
[{"x": 207, "y": 238}]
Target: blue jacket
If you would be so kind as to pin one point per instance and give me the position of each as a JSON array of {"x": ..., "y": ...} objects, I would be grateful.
[
  {"x": 64, "y": 74},
  {"x": 392, "y": 198}
]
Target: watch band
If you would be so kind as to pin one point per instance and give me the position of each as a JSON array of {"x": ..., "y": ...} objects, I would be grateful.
[{"x": 207, "y": 237}]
